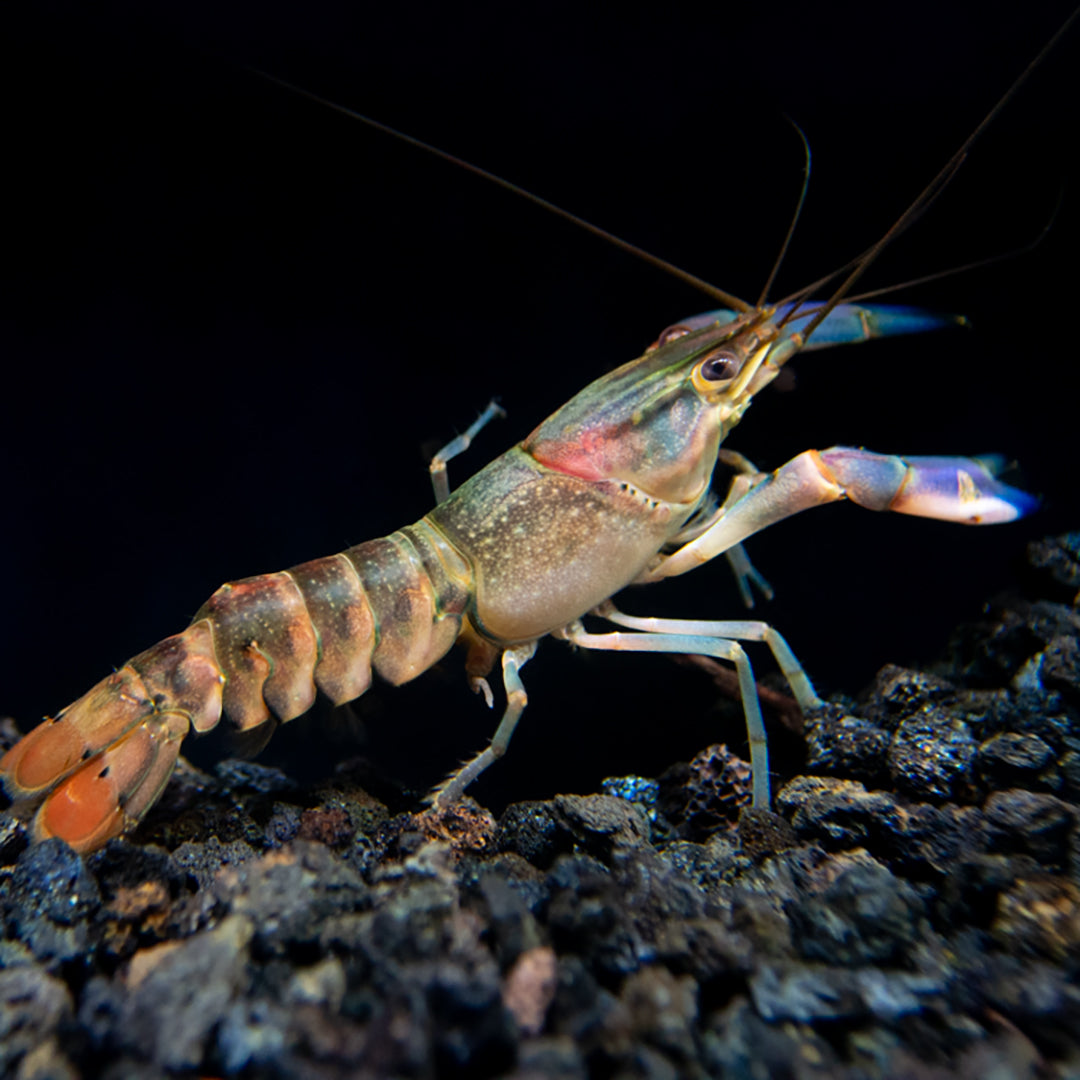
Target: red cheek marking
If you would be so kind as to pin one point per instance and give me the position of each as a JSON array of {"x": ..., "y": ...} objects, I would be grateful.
[{"x": 586, "y": 456}]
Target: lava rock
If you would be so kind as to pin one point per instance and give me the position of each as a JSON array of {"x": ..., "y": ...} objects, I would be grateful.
[
  {"x": 931, "y": 755},
  {"x": 929, "y": 840},
  {"x": 178, "y": 992},
  {"x": 412, "y": 916},
  {"x": 520, "y": 876},
  {"x": 1038, "y": 994},
  {"x": 839, "y": 813},
  {"x": 707, "y": 865},
  {"x": 249, "y": 777},
  {"x": 705, "y": 795},
  {"x": 899, "y": 922},
  {"x": 706, "y": 949},
  {"x": 848, "y": 746},
  {"x": 602, "y": 824},
  {"x": 1061, "y": 666},
  {"x": 514, "y": 928},
  {"x": 587, "y": 915},
  {"x": 757, "y": 902},
  {"x": 326, "y": 825},
  {"x": 529, "y": 988},
  {"x": 283, "y": 824},
  {"x": 553, "y": 1057},
  {"x": 589, "y": 1014},
  {"x": 1028, "y": 711},
  {"x": 854, "y": 911},
  {"x": 737, "y": 1042},
  {"x": 1013, "y": 759},
  {"x": 1030, "y": 823},
  {"x": 49, "y": 900},
  {"x": 254, "y": 1034},
  {"x": 810, "y": 993},
  {"x": 995, "y": 652},
  {"x": 969, "y": 894},
  {"x": 203, "y": 860},
  {"x": 898, "y": 693},
  {"x": 14, "y": 838},
  {"x": 365, "y": 812},
  {"x": 763, "y": 833},
  {"x": 635, "y": 789},
  {"x": 535, "y": 831},
  {"x": 663, "y": 1008},
  {"x": 33, "y": 1005},
  {"x": 1059, "y": 558},
  {"x": 46, "y": 1062},
  {"x": 474, "y": 1035},
  {"x": 1040, "y": 916},
  {"x": 288, "y": 893},
  {"x": 197, "y": 805},
  {"x": 123, "y": 867}
]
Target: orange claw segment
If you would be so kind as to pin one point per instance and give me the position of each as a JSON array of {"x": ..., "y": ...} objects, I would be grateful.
[{"x": 113, "y": 790}]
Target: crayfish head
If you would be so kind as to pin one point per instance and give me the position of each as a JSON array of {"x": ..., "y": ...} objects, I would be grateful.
[{"x": 657, "y": 422}]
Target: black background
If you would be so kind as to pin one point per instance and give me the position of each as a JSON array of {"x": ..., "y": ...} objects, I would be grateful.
[{"x": 233, "y": 324}]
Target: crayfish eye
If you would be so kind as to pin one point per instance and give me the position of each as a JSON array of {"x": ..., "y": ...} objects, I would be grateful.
[
  {"x": 720, "y": 367},
  {"x": 671, "y": 333}
]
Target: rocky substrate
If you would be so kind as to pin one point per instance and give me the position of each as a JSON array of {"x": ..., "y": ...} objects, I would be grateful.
[{"x": 912, "y": 909}]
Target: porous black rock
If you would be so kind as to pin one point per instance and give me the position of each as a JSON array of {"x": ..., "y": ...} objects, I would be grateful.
[
  {"x": 854, "y": 912},
  {"x": 841, "y": 745},
  {"x": 1030, "y": 823},
  {"x": 931, "y": 755},
  {"x": 707, "y": 794},
  {"x": 1059, "y": 558},
  {"x": 839, "y": 813},
  {"x": 533, "y": 830},
  {"x": 809, "y": 993},
  {"x": 33, "y": 1007},
  {"x": 176, "y": 995},
  {"x": 898, "y": 693},
  {"x": 1013, "y": 759},
  {"x": 49, "y": 900}
]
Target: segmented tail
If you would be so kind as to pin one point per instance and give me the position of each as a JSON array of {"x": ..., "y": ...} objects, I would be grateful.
[{"x": 257, "y": 652}]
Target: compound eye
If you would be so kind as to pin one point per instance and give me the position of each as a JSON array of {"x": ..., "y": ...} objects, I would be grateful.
[
  {"x": 716, "y": 369},
  {"x": 720, "y": 367},
  {"x": 671, "y": 333}
]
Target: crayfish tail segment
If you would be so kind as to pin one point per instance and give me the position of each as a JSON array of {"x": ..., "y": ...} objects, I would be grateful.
[
  {"x": 178, "y": 675},
  {"x": 100, "y": 764},
  {"x": 112, "y": 791}
]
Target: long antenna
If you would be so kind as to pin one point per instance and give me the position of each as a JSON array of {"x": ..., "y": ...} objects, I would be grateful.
[
  {"x": 685, "y": 276},
  {"x": 937, "y": 184},
  {"x": 778, "y": 262},
  {"x": 963, "y": 268},
  {"x": 857, "y": 267}
]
